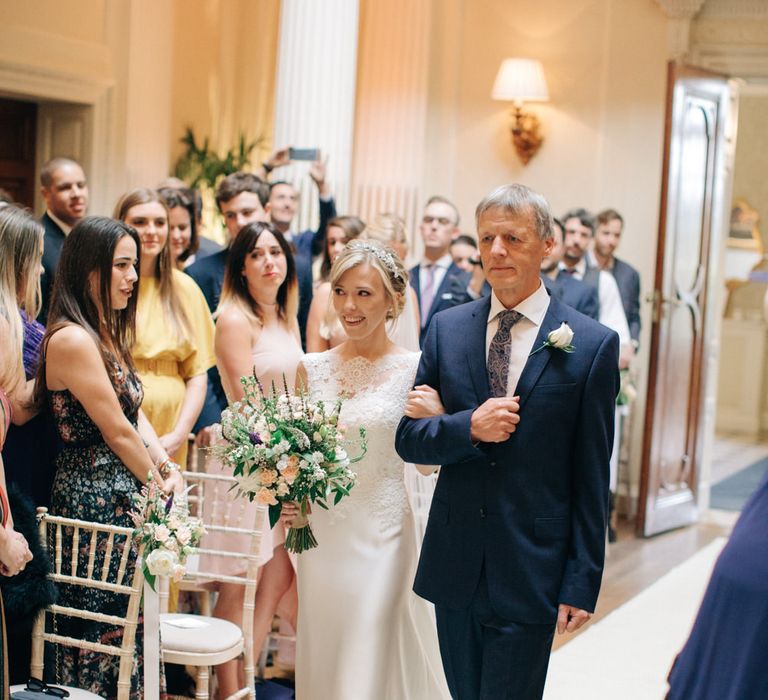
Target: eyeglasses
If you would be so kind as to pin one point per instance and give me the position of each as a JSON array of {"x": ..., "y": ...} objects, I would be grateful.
[
  {"x": 38, "y": 686},
  {"x": 442, "y": 220}
]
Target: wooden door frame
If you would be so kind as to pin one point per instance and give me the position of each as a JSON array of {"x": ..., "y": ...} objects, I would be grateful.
[
  {"x": 39, "y": 84},
  {"x": 704, "y": 369}
]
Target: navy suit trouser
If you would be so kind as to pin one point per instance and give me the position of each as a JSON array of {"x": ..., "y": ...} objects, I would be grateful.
[{"x": 488, "y": 658}]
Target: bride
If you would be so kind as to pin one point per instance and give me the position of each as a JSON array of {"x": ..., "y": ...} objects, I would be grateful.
[{"x": 362, "y": 633}]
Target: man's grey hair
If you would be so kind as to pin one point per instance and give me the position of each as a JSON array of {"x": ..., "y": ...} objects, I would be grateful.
[{"x": 518, "y": 199}]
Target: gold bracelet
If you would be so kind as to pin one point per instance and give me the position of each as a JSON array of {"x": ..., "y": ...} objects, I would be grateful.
[{"x": 166, "y": 466}]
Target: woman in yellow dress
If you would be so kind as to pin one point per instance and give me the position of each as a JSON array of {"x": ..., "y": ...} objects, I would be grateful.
[{"x": 174, "y": 330}]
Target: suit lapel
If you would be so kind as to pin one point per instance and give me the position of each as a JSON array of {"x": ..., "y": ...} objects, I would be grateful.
[
  {"x": 415, "y": 284},
  {"x": 474, "y": 332},
  {"x": 445, "y": 285},
  {"x": 537, "y": 362}
]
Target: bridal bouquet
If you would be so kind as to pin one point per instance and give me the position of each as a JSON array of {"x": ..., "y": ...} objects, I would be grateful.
[
  {"x": 167, "y": 531},
  {"x": 283, "y": 447}
]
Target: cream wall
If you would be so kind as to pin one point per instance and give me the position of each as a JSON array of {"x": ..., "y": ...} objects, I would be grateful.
[
  {"x": 111, "y": 56},
  {"x": 605, "y": 63},
  {"x": 224, "y": 59}
]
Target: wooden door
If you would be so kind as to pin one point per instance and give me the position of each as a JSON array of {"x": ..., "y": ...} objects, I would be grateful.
[
  {"x": 18, "y": 126},
  {"x": 694, "y": 187}
]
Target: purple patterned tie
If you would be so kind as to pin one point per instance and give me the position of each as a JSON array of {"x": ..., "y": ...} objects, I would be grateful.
[{"x": 498, "y": 353}]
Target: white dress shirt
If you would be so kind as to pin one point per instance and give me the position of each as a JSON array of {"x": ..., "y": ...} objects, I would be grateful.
[
  {"x": 522, "y": 335},
  {"x": 441, "y": 267},
  {"x": 611, "y": 307}
]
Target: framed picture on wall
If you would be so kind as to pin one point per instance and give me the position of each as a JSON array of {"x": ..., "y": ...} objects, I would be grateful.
[{"x": 743, "y": 231}]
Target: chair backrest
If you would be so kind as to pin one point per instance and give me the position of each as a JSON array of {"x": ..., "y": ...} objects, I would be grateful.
[
  {"x": 234, "y": 529},
  {"x": 85, "y": 555}
]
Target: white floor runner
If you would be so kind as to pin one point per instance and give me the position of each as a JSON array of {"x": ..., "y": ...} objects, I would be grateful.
[{"x": 628, "y": 654}]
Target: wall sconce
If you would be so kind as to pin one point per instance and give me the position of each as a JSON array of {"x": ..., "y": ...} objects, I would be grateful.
[{"x": 522, "y": 80}]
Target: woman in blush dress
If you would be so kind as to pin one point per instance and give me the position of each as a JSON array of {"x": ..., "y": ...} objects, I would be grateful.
[
  {"x": 362, "y": 632},
  {"x": 256, "y": 331}
]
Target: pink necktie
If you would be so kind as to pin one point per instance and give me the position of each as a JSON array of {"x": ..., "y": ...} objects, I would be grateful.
[{"x": 427, "y": 293}]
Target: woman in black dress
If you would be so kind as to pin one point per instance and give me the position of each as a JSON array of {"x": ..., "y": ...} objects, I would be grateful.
[{"x": 95, "y": 396}]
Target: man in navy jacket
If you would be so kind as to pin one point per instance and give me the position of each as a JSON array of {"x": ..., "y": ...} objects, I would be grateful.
[{"x": 515, "y": 541}]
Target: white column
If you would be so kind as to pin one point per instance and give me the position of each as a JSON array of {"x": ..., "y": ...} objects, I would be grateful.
[
  {"x": 392, "y": 102},
  {"x": 315, "y": 105}
]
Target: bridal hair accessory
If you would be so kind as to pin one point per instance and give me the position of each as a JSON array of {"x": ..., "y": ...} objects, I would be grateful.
[
  {"x": 381, "y": 253},
  {"x": 282, "y": 447},
  {"x": 558, "y": 339}
]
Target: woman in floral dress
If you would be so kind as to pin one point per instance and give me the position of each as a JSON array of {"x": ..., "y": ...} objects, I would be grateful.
[{"x": 109, "y": 447}]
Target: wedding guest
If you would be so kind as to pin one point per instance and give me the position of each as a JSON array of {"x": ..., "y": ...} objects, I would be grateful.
[
  {"x": 609, "y": 227},
  {"x": 438, "y": 281},
  {"x": 464, "y": 252},
  {"x": 182, "y": 226},
  {"x": 389, "y": 229},
  {"x": 88, "y": 379},
  {"x": 21, "y": 248},
  {"x": 241, "y": 198},
  {"x": 355, "y": 607},
  {"x": 173, "y": 347},
  {"x": 256, "y": 332},
  {"x": 323, "y": 329},
  {"x": 515, "y": 542},
  {"x": 65, "y": 190}
]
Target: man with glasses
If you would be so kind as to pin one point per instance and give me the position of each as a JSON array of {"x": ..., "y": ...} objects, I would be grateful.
[{"x": 438, "y": 282}]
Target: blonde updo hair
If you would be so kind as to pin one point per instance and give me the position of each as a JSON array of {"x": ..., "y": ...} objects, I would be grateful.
[
  {"x": 383, "y": 260},
  {"x": 387, "y": 228}
]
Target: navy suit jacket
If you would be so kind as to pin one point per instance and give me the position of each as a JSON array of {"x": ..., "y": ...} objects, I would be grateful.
[
  {"x": 53, "y": 240},
  {"x": 579, "y": 296},
  {"x": 628, "y": 281},
  {"x": 532, "y": 510},
  {"x": 452, "y": 291},
  {"x": 309, "y": 243}
]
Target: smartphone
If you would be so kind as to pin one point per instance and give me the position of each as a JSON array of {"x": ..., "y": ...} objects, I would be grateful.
[{"x": 302, "y": 153}]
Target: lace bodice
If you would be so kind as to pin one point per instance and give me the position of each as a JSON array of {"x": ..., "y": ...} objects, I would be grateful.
[{"x": 375, "y": 394}]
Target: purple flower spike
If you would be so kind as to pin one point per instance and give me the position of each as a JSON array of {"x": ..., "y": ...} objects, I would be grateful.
[
  {"x": 255, "y": 438},
  {"x": 169, "y": 503}
]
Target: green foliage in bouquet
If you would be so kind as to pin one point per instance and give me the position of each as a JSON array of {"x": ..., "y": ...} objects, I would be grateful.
[{"x": 283, "y": 447}]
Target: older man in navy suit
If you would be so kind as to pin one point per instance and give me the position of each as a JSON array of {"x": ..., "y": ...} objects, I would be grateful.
[
  {"x": 438, "y": 282},
  {"x": 515, "y": 542}
]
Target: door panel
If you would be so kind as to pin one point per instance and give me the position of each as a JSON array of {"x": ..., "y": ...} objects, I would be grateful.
[
  {"x": 693, "y": 189},
  {"x": 17, "y": 149}
]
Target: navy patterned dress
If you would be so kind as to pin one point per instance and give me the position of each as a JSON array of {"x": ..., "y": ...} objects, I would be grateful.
[{"x": 91, "y": 483}]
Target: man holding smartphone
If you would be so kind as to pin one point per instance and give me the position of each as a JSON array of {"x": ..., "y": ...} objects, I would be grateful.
[{"x": 284, "y": 200}]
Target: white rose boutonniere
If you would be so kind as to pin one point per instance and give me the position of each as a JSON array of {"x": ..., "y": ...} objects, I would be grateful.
[{"x": 559, "y": 339}]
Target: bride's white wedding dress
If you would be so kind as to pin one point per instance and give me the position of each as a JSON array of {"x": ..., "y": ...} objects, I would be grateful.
[{"x": 362, "y": 632}]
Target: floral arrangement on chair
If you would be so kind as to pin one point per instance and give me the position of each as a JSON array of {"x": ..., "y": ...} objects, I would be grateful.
[
  {"x": 167, "y": 531},
  {"x": 283, "y": 447}
]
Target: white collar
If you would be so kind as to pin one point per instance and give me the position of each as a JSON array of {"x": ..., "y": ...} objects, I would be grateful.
[
  {"x": 444, "y": 262},
  {"x": 533, "y": 307}
]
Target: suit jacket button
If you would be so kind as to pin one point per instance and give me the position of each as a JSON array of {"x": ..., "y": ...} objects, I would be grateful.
[
  {"x": 493, "y": 464},
  {"x": 482, "y": 512}
]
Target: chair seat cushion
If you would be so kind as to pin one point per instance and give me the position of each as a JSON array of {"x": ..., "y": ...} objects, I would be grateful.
[
  {"x": 197, "y": 634},
  {"x": 74, "y": 693}
]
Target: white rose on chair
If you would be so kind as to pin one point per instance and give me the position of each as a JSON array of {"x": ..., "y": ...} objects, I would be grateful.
[
  {"x": 558, "y": 339},
  {"x": 161, "y": 562}
]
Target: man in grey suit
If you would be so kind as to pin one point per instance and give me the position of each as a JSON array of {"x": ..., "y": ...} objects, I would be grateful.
[{"x": 608, "y": 230}]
